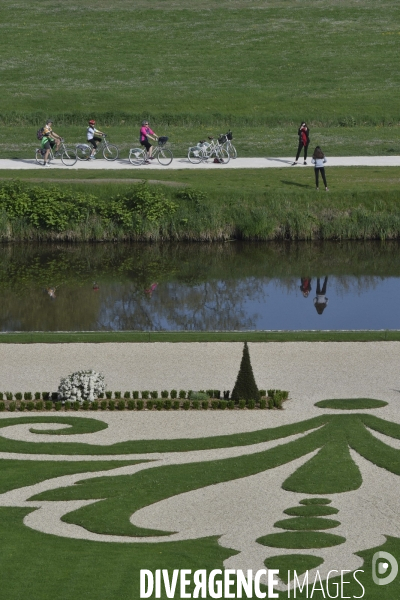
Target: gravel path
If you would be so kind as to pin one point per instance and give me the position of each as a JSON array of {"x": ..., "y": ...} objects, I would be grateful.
[{"x": 183, "y": 163}]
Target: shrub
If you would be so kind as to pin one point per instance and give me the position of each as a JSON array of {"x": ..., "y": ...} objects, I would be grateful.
[
  {"x": 67, "y": 405},
  {"x": 80, "y": 386},
  {"x": 12, "y": 406},
  {"x": 245, "y": 386},
  {"x": 164, "y": 394},
  {"x": 121, "y": 405},
  {"x": 45, "y": 395},
  {"x": 204, "y": 404},
  {"x": 111, "y": 405},
  {"x": 1, "y": 395},
  {"x": 54, "y": 396},
  {"x": 85, "y": 405},
  {"x": 159, "y": 404},
  {"x": 2, "y": 406},
  {"x": 173, "y": 394},
  {"x": 198, "y": 396},
  {"x": 195, "y": 404},
  {"x": 271, "y": 393},
  {"x": 140, "y": 404},
  {"x": 154, "y": 395},
  {"x": 251, "y": 404},
  {"x": 30, "y": 405},
  {"x": 22, "y": 406},
  {"x": 270, "y": 402},
  {"x": 149, "y": 404},
  {"x": 127, "y": 395},
  {"x": 117, "y": 395},
  {"x": 103, "y": 404},
  {"x": 186, "y": 405},
  {"x": 135, "y": 394},
  {"x": 262, "y": 393},
  {"x": 39, "y": 405},
  {"x": 48, "y": 405},
  {"x": 182, "y": 394},
  {"x": 223, "y": 404},
  {"x": 145, "y": 394},
  {"x": 226, "y": 394},
  {"x": 285, "y": 395},
  {"x": 217, "y": 394},
  {"x": 101, "y": 395},
  {"x": 18, "y": 396},
  {"x": 167, "y": 404},
  {"x": 242, "y": 403},
  {"x": 210, "y": 393},
  {"x": 263, "y": 403},
  {"x": 231, "y": 404},
  {"x": 27, "y": 396},
  {"x": 131, "y": 404},
  {"x": 108, "y": 395},
  {"x": 176, "y": 405},
  {"x": 94, "y": 405},
  {"x": 58, "y": 405},
  {"x": 9, "y": 395},
  {"x": 278, "y": 400},
  {"x": 76, "y": 405},
  {"x": 214, "y": 404},
  {"x": 37, "y": 395}
]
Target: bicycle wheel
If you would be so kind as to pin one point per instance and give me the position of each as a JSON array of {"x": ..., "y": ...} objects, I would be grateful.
[
  {"x": 165, "y": 156},
  {"x": 39, "y": 156},
  {"x": 194, "y": 155},
  {"x": 232, "y": 150},
  {"x": 222, "y": 154},
  {"x": 110, "y": 152},
  {"x": 68, "y": 157},
  {"x": 137, "y": 156},
  {"x": 83, "y": 151}
]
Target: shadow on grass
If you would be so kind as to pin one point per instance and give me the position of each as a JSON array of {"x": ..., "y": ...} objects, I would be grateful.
[{"x": 302, "y": 185}]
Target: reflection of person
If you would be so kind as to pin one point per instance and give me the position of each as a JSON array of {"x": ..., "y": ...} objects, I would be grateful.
[
  {"x": 95, "y": 287},
  {"x": 321, "y": 301},
  {"x": 151, "y": 289},
  {"x": 304, "y": 140},
  {"x": 305, "y": 286},
  {"x": 318, "y": 159},
  {"x": 51, "y": 292}
]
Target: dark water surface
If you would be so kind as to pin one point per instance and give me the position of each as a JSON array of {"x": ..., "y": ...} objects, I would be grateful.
[{"x": 198, "y": 287}]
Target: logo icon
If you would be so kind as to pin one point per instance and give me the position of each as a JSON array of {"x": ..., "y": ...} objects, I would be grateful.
[{"x": 381, "y": 561}]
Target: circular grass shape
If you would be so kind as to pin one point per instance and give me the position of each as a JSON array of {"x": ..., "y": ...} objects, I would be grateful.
[
  {"x": 351, "y": 403},
  {"x": 77, "y": 425},
  {"x": 312, "y": 510},
  {"x": 293, "y": 562},
  {"x": 301, "y": 540},
  {"x": 308, "y": 501},
  {"x": 307, "y": 523}
]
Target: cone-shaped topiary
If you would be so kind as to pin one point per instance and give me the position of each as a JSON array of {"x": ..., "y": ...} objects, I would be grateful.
[{"x": 245, "y": 386}]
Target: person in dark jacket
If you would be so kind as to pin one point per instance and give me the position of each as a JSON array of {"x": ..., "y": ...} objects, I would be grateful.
[{"x": 304, "y": 140}]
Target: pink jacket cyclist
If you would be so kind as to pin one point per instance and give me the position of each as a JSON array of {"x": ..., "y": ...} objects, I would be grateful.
[{"x": 145, "y": 134}]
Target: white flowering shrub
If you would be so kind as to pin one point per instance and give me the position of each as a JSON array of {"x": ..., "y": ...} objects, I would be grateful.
[{"x": 80, "y": 386}]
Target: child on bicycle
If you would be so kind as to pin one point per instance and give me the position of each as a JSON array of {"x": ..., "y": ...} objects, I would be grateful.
[
  {"x": 145, "y": 134},
  {"x": 49, "y": 140},
  {"x": 93, "y": 137}
]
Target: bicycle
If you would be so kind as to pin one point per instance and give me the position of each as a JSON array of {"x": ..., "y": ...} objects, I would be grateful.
[
  {"x": 67, "y": 155},
  {"x": 138, "y": 156},
  {"x": 205, "y": 150},
  {"x": 229, "y": 146},
  {"x": 110, "y": 151}
]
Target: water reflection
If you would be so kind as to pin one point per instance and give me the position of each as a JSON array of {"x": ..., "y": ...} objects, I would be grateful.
[{"x": 199, "y": 287}]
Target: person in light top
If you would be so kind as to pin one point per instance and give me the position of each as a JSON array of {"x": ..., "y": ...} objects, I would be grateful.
[
  {"x": 321, "y": 301},
  {"x": 93, "y": 137},
  {"x": 318, "y": 160},
  {"x": 145, "y": 134}
]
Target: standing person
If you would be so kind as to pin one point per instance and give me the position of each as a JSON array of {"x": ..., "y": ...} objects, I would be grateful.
[
  {"x": 145, "y": 134},
  {"x": 93, "y": 137},
  {"x": 318, "y": 159},
  {"x": 49, "y": 140},
  {"x": 304, "y": 140},
  {"x": 321, "y": 301}
]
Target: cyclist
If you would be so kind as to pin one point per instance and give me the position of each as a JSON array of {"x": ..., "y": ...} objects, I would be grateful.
[
  {"x": 93, "y": 137},
  {"x": 145, "y": 134},
  {"x": 49, "y": 140}
]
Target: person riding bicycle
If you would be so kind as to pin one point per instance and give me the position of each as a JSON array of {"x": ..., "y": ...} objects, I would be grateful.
[
  {"x": 145, "y": 134},
  {"x": 49, "y": 140},
  {"x": 93, "y": 137}
]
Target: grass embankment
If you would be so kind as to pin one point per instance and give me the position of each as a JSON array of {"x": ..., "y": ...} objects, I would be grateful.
[
  {"x": 219, "y": 206},
  {"x": 255, "y": 72}
]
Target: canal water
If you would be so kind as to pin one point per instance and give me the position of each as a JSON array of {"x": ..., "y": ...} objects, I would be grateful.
[{"x": 199, "y": 287}]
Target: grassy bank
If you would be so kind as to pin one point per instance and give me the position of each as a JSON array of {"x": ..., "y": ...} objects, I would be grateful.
[{"x": 245, "y": 205}]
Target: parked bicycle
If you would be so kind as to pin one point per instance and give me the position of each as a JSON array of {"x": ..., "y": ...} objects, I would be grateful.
[
  {"x": 67, "y": 155},
  {"x": 139, "y": 156},
  {"x": 205, "y": 150},
  {"x": 110, "y": 151},
  {"x": 228, "y": 144}
]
